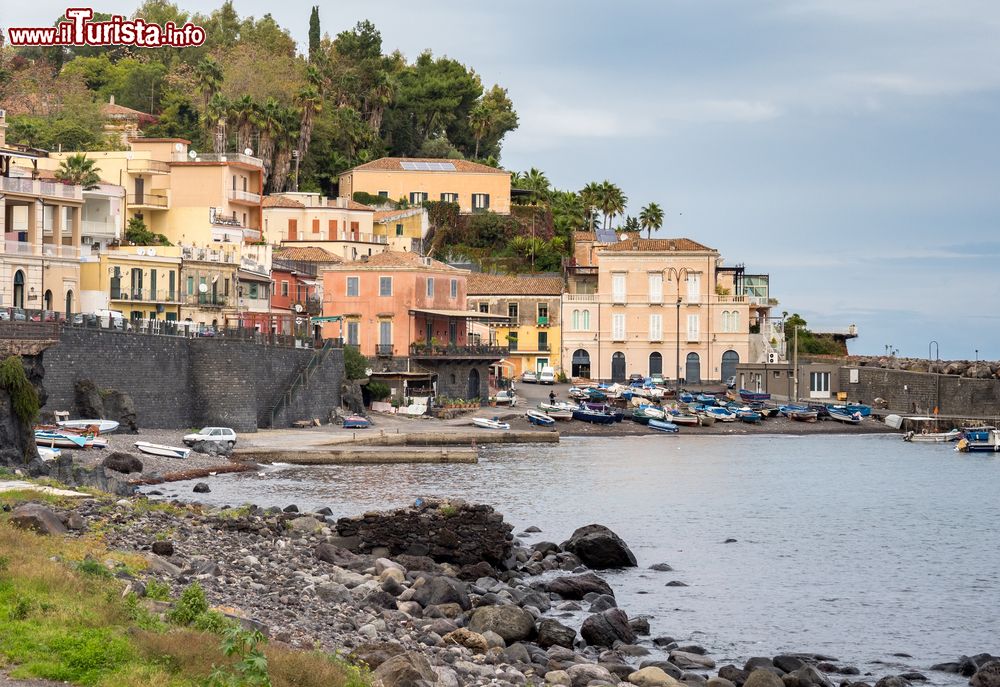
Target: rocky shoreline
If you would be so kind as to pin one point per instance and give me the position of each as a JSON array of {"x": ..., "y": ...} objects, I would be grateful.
[{"x": 442, "y": 593}]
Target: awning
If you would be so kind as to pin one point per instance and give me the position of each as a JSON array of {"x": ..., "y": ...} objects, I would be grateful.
[
  {"x": 252, "y": 276},
  {"x": 468, "y": 314}
]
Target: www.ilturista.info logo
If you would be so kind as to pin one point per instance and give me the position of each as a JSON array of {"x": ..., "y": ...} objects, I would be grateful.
[{"x": 78, "y": 29}]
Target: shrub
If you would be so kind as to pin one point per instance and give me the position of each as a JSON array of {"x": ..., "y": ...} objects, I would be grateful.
[
  {"x": 89, "y": 566},
  {"x": 23, "y": 394},
  {"x": 379, "y": 390},
  {"x": 250, "y": 670},
  {"x": 354, "y": 363},
  {"x": 157, "y": 591},
  {"x": 191, "y": 605}
]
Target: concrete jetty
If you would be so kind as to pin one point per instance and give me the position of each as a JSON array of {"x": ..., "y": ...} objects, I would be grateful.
[{"x": 358, "y": 455}]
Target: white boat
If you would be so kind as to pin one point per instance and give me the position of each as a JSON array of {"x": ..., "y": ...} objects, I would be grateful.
[
  {"x": 653, "y": 412},
  {"x": 103, "y": 426},
  {"x": 557, "y": 406},
  {"x": 54, "y": 439},
  {"x": 539, "y": 418},
  {"x": 926, "y": 437},
  {"x": 490, "y": 423},
  {"x": 48, "y": 453},
  {"x": 161, "y": 450},
  {"x": 682, "y": 419}
]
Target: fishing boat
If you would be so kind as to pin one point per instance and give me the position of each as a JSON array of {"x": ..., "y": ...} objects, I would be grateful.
[
  {"x": 102, "y": 426},
  {"x": 539, "y": 418},
  {"x": 720, "y": 414},
  {"x": 706, "y": 399},
  {"x": 685, "y": 397},
  {"x": 706, "y": 420},
  {"x": 595, "y": 395},
  {"x": 639, "y": 415},
  {"x": 748, "y": 395},
  {"x": 593, "y": 416},
  {"x": 58, "y": 439},
  {"x": 679, "y": 418},
  {"x": 926, "y": 437},
  {"x": 977, "y": 433},
  {"x": 356, "y": 422},
  {"x": 846, "y": 418},
  {"x": 803, "y": 415},
  {"x": 768, "y": 411},
  {"x": 162, "y": 450},
  {"x": 661, "y": 426},
  {"x": 790, "y": 408},
  {"x": 558, "y": 405},
  {"x": 48, "y": 454},
  {"x": 653, "y": 411},
  {"x": 991, "y": 444},
  {"x": 490, "y": 423},
  {"x": 748, "y": 416}
]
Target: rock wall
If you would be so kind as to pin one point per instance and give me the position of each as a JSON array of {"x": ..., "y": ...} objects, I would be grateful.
[
  {"x": 178, "y": 383},
  {"x": 922, "y": 392},
  {"x": 448, "y": 532}
]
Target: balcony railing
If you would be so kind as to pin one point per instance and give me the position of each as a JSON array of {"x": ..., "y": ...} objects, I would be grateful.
[
  {"x": 512, "y": 344},
  {"x": 145, "y": 295},
  {"x": 207, "y": 300},
  {"x": 543, "y": 321},
  {"x": 580, "y": 297},
  {"x": 310, "y": 306},
  {"x": 149, "y": 199},
  {"x": 140, "y": 166},
  {"x": 224, "y": 157},
  {"x": 449, "y": 351},
  {"x": 50, "y": 250},
  {"x": 208, "y": 255},
  {"x": 36, "y": 187},
  {"x": 543, "y": 347},
  {"x": 92, "y": 228},
  {"x": 243, "y": 197},
  {"x": 383, "y": 350}
]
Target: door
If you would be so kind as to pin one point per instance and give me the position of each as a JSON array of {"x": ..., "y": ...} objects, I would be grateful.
[
  {"x": 136, "y": 293},
  {"x": 385, "y": 337},
  {"x": 429, "y": 328},
  {"x": 19, "y": 289},
  {"x": 140, "y": 190},
  {"x": 618, "y": 367},
  {"x": 730, "y": 359},
  {"x": 453, "y": 333},
  {"x": 581, "y": 364},
  {"x": 692, "y": 373},
  {"x": 540, "y": 363},
  {"x": 69, "y": 304},
  {"x": 655, "y": 364}
]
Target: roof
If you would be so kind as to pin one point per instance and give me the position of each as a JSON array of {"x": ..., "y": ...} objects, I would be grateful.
[
  {"x": 115, "y": 110},
  {"x": 243, "y": 275},
  {"x": 471, "y": 314},
  {"x": 388, "y": 215},
  {"x": 306, "y": 254},
  {"x": 393, "y": 164},
  {"x": 392, "y": 258},
  {"x": 280, "y": 202},
  {"x": 655, "y": 245},
  {"x": 514, "y": 285},
  {"x": 351, "y": 205}
]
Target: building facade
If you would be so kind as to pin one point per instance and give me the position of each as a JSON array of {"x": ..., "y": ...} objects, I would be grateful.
[
  {"x": 142, "y": 283},
  {"x": 474, "y": 187},
  {"x": 532, "y": 304},
  {"x": 337, "y": 225}
]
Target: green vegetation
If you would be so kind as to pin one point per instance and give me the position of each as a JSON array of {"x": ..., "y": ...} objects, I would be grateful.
[
  {"x": 138, "y": 234},
  {"x": 809, "y": 343},
  {"x": 379, "y": 391},
  {"x": 78, "y": 169},
  {"x": 354, "y": 363},
  {"x": 23, "y": 395}
]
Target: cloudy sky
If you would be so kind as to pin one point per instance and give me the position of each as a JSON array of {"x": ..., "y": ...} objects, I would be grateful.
[{"x": 849, "y": 148}]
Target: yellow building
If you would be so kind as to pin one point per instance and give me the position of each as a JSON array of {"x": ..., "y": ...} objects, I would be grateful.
[
  {"x": 473, "y": 186},
  {"x": 404, "y": 230},
  {"x": 143, "y": 283},
  {"x": 531, "y": 302}
]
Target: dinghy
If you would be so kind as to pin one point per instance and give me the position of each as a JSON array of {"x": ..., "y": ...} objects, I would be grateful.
[
  {"x": 161, "y": 450},
  {"x": 748, "y": 395},
  {"x": 102, "y": 426},
  {"x": 853, "y": 418},
  {"x": 929, "y": 437},
  {"x": 56, "y": 439},
  {"x": 679, "y": 418},
  {"x": 803, "y": 415},
  {"x": 593, "y": 416},
  {"x": 661, "y": 426},
  {"x": 538, "y": 418},
  {"x": 356, "y": 422},
  {"x": 490, "y": 423}
]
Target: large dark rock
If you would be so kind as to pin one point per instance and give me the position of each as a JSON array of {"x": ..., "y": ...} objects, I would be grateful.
[
  {"x": 38, "y": 518},
  {"x": 17, "y": 438},
  {"x": 212, "y": 448},
  {"x": 604, "y": 629},
  {"x": 893, "y": 681},
  {"x": 201, "y": 488},
  {"x": 339, "y": 556},
  {"x": 734, "y": 674},
  {"x": 106, "y": 404},
  {"x": 987, "y": 676},
  {"x": 788, "y": 663},
  {"x": 439, "y": 589},
  {"x": 122, "y": 462},
  {"x": 553, "y": 633},
  {"x": 599, "y": 548},
  {"x": 577, "y": 586},
  {"x": 376, "y": 653},
  {"x": 512, "y": 623},
  {"x": 351, "y": 396}
]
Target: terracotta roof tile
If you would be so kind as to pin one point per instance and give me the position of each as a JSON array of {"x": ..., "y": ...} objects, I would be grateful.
[
  {"x": 393, "y": 258},
  {"x": 514, "y": 285},
  {"x": 391, "y": 164},
  {"x": 306, "y": 254},
  {"x": 280, "y": 202},
  {"x": 114, "y": 110},
  {"x": 654, "y": 245}
]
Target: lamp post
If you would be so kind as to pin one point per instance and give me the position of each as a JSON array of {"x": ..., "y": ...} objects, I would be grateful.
[
  {"x": 677, "y": 360},
  {"x": 937, "y": 350}
]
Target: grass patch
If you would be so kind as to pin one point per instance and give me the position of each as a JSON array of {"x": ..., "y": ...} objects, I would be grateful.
[{"x": 69, "y": 623}]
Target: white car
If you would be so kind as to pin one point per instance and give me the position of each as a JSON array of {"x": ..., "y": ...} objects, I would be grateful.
[
  {"x": 547, "y": 375},
  {"x": 220, "y": 434},
  {"x": 529, "y": 377}
]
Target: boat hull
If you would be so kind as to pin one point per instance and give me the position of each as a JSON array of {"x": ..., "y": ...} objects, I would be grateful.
[
  {"x": 593, "y": 417},
  {"x": 162, "y": 450},
  {"x": 489, "y": 424},
  {"x": 665, "y": 427},
  {"x": 103, "y": 426},
  {"x": 356, "y": 422},
  {"x": 540, "y": 419}
]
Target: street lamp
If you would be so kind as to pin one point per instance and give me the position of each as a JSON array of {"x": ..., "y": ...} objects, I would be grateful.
[
  {"x": 677, "y": 371},
  {"x": 937, "y": 350}
]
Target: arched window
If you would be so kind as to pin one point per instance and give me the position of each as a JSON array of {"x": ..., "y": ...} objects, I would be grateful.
[
  {"x": 586, "y": 320},
  {"x": 734, "y": 321},
  {"x": 19, "y": 289},
  {"x": 655, "y": 363},
  {"x": 576, "y": 319},
  {"x": 725, "y": 320}
]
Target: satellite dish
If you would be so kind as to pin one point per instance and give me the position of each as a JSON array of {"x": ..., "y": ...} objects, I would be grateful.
[
  {"x": 178, "y": 147},
  {"x": 150, "y": 251},
  {"x": 298, "y": 307},
  {"x": 298, "y": 320},
  {"x": 248, "y": 151},
  {"x": 141, "y": 251},
  {"x": 202, "y": 288},
  {"x": 192, "y": 154}
]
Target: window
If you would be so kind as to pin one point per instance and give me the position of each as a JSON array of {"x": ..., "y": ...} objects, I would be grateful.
[
  {"x": 352, "y": 286},
  {"x": 152, "y": 285},
  {"x": 694, "y": 288},
  {"x": 284, "y": 288},
  {"x": 385, "y": 286},
  {"x": 586, "y": 320},
  {"x": 576, "y": 320},
  {"x": 353, "y": 332},
  {"x": 399, "y": 230},
  {"x": 618, "y": 327},
  {"x": 253, "y": 290},
  {"x": 293, "y": 229},
  {"x": 543, "y": 341},
  {"x": 383, "y": 194},
  {"x": 225, "y": 284},
  {"x": 655, "y": 287},
  {"x": 512, "y": 312},
  {"x": 693, "y": 327},
  {"x": 234, "y": 182},
  {"x": 454, "y": 288},
  {"x": 819, "y": 382},
  {"x": 543, "y": 313},
  {"x": 430, "y": 287},
  {"x": 484, "y": 307},
  {"x": 416, "y": 197},
  {"x": 618, "y": 288},
  {"x": 480, "y": 201},
  {"x": 734, "y": 321},
  {"x": 656, "y": 328},
  {"x": 385, "y": 333},
  {"x": 449, "y": 197},
  {"x": 190, "y": 288},
  {"x": 244, "y": 184},
  {"x": 725, "y": 320}
]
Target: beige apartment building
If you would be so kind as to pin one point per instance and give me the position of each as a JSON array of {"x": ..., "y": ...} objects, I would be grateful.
[
  {"x": 659, "y": 306},
  {"x": 474, "y": 187},
  {"x": 337, "y": 225}
]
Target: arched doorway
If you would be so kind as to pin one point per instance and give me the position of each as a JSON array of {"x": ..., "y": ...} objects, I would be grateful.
[
  {"x": 69, "y": 304},
  {"x": 655, "y": 364},
  {"x": 48, "y": 299},
  {"x": 581, "y": 364},
  {"x": 730, "y": 359},
  {"x": 19, "y": 289},
  {"x": 692, "y": 373},
  {"x": 473, "y": 389},
  {"x": 618, "y": 367}
]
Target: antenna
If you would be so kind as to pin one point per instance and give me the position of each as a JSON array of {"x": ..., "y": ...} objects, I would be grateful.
[
  {"x": 141, "y": 251},
  {"x": 150, "y": 251}
]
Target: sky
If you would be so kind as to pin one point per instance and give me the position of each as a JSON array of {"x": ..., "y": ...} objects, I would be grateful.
[{"x": 848, "y": 148}]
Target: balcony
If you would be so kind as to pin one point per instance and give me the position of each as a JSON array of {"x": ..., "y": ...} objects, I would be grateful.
[
  {"x": 208, "y": 255},
  {"x": 243, "y": 197},
  {"x": 152, "y": 200},
  {"x": 207, "y": 300},
  {"x": 543, "y": 321},
  {"x": 453, "y": 352},
  {"x": 310, "y": 306},
  {"x": 383, "y": 350},
  {"x": 49, "y": 250},
  {"x": 139, "y": 166},
  {"x": 224, "y": 157},
  {"x": 145, "y": 296},
  {"x": 36, "y": 187},
  {"x": 580, "y": 297},
  {"x": 102, "y": 229}
]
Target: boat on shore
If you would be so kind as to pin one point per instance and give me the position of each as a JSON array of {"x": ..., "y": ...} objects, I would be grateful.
[
  {"x": 59, "y": 439},
  {"x": 596, "y": 417},
  {"x": 679, "y": 418},
  {"x": 803, "y": 415},
  {"x": 539, "y": 418},
  {"x": 162, "y": 450},
  {"x": 490, "y": 423},
  {"x": 356, "y": 422},
  {"x": 47, "y": 454},
  {"x": 705, "y": 420},
  {"x": 926, "y": 437},
  {"x": 719, "y": 413},
  {"x": 748, "y": 395},
  {"x": 846, "y": 418},
  {"x": 665, "y": 427},
  {"x": 101, "y": 426}
]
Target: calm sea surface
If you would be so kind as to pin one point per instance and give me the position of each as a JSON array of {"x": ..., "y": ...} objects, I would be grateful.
[{"x": 854, "y": 546}]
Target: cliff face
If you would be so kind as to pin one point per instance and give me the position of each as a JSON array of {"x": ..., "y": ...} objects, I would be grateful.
[{"x": 17, "y": 439}]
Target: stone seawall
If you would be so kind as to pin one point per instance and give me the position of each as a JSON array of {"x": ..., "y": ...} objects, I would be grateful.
[
  {"x": 922, "y": 392},
  {"x": 178, "y": 383}
]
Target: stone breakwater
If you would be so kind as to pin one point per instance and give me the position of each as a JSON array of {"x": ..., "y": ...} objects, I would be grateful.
[{"x": 440, "y": 594}]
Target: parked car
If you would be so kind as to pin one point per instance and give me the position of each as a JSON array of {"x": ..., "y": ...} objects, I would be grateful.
[
  {"x": 731, "y": 382},
  {"x": 220, "y": 434},
  {"x": 547, "y": 375},
  {"x": 657, "y": 379},
  {"x": 16, "y": 314},
  {"x": 636, "y": 378},
  {"x": 529, "y": 377},
  {"x": 505, "y": 398}
]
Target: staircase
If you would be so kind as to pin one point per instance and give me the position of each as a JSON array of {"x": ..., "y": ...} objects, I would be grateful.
[{"x": 301, "y": 380}]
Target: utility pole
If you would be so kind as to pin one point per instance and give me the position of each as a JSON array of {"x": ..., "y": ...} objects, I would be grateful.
[
  {"x": 677, "y": 359},
  {"x": 295, "y": 154},
  {"x": 795, "y": 361}
]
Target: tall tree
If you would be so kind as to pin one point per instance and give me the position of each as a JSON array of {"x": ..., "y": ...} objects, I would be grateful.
[
  {"x": 481, "y": 123},
  {"x": 314, "y": 34},
  {"x": 651, "y": 218},
  {"x": 209, "y": 74},
  {"x": 244, "y": 112},
  {"x": 591, "y": 197},
  {"x": 310, "y": 102},
  {"x": 80, "y": 170},
  {"x": 612, "y": 201}
]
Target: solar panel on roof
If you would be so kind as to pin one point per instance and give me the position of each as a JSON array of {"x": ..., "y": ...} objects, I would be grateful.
[
  {"x": 412, "y": 166},
  {"x": 606, "y": 235}
]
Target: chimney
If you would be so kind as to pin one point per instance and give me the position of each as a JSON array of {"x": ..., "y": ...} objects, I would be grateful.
[
  {"x": 3, "y": 128},
  {"x": 111, "y": 100}
]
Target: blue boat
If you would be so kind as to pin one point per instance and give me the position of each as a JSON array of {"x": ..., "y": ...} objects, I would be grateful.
[
  {"x": 593, "y": 416},
  {"x": 748, "y": 395},
  {"x": 539, "y": 418},
  {"x": 749, "y": 416},
  {"x": 685, "y": 397},
  {"x": 595, "y": 395},
  {"x": 791, "y": 408},
  {"x": 977, "y": 433},
  {"x": 991, "y": 444},
  {"x": 356, "y": 422},
  {"x": 707, "y": 399},
  {"x": 661, "y": 426}
]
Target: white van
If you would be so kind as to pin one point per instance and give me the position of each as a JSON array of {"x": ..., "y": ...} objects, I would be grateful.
[
  {"x": 547, "y": 375},
  {"x": 110, "y": 318}
]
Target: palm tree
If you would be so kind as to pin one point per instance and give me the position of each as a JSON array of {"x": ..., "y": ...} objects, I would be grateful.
[
  {"x": 310, "y": 100},
  {"x": 481, "y": 122},
  {"x": 269, "y": 123},
  {"x": 78, "y": 169},
  {"x": 209, "y": 74},
  {"x": 612, "y": 201},
  {"x": 244, "y": 112},
  {"x": 590, "y": 195},
  {"x": 651, "y": 218},
  {"x": 218, "y": 111},
  {"x": 536, "y": 182}
]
